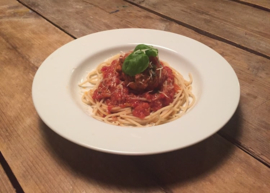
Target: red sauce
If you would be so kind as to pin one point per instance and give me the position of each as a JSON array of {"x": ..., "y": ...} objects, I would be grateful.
[{"x": 144, "y": 93}]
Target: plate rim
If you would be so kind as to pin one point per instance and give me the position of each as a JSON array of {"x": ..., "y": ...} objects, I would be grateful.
[{"x": 132, "y": 151}]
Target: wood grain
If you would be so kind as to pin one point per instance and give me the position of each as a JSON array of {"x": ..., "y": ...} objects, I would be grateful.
[
  {"x": 23, "y": 142},
  {"x": 33, "y": 51},
  {"x": 201, "y": 169},
  {"x": 240, "y": 24},
  {"x": 5, "y": 184},
  {"x": 45, "y": 162},
  {"x": 81, "y": 17},
  {"x": 253, "y": 71}
]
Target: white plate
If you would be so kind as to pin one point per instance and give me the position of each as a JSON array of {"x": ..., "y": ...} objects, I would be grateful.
[{"x": 57, "y": 97}]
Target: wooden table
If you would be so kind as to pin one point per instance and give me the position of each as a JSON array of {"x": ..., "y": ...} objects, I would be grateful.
[{"x": 35, "y": 159}]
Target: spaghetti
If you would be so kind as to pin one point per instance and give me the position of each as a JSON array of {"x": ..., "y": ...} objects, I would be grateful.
[{"x": 156, "y": 96}]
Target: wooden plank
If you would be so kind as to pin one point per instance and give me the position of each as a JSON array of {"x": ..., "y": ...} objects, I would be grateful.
[
  {"x": 93, "y": 16},
  {"x": 259, "y": 3},
  {"x": 45, "y": 162},
  {"x": 211, "y": 166},
  {"x": 32, "y": 51},
  {"x": 41, "y": 160},
  {"x": 6, "y": 3},
  {"x": 252, "y": 70},
  {"x": 5, "y": 184},
  {"x": 240, "y": 24}
]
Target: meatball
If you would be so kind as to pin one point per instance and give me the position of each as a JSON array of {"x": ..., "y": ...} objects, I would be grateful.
[{"x": 148, "y": 80}]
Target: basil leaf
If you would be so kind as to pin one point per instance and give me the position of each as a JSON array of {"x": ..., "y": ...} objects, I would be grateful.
[
  {"x": 152, "y": 52},
  {"x": 149, "y": 50},
  {"x": 135, "y": 63}
]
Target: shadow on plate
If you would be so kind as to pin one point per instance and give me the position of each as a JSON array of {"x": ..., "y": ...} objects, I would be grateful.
[{"x": 144, "y": 172}]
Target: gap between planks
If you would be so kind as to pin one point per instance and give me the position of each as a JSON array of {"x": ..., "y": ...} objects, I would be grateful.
[
  {"x": 252, "y": 5},
  {"x": 46, "y": 19},
  {"x": 12, "y": 178},
  {"x": 252, "y": 154},
  {"x": 200, "y": 31}
]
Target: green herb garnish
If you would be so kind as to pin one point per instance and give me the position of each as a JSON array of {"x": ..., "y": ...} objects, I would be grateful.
[
  {"x": 149, "y": 50},
  {"x": 138, "y": 60}
]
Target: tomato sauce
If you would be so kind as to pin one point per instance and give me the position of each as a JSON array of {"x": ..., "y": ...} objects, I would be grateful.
[{"x": 144, "y": 93}]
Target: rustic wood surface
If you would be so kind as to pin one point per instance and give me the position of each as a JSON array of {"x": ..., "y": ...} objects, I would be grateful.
[
  {"x": 42, "y": 161},
  {"x": 243, "y": 25},
  {"x": 251, "y": 133}
]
